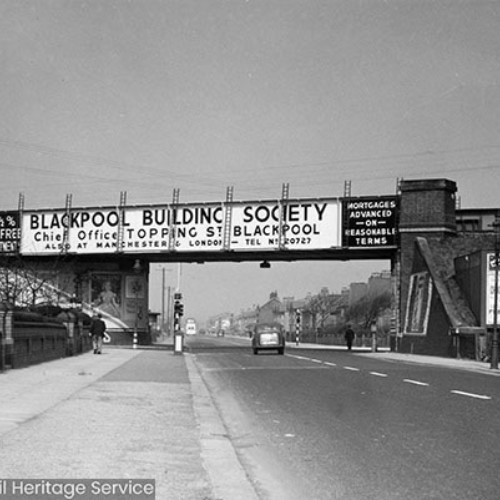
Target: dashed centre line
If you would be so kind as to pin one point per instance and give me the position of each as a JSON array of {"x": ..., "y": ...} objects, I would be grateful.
[
  {"x": 385, "y": 375},
  {"x": 471, "y": 395},
  {"x": 415, "y": 382}
]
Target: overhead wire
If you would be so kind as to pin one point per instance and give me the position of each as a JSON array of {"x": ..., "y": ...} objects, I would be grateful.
[{"x": 258, "y": 178}]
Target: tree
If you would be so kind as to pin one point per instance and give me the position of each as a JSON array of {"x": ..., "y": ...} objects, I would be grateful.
[
  {"x": 368, "y": 308},
  {"x": 322, "y": 306},
  {"x": 24, "y": 283}
]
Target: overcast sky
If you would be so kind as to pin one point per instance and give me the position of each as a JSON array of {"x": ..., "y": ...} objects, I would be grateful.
[{"x": 100, "y": 97}]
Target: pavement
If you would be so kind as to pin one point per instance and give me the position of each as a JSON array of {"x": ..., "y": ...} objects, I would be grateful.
[
  {"x": 125, "y": 414},
  {"x": 134, "y": 413}
]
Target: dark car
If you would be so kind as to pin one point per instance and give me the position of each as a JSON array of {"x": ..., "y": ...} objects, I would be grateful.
[{"x": 268, "y": 336}]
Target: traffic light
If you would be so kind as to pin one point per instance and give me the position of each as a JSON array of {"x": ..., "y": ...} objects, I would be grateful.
[{"x": 178, "y": 308}]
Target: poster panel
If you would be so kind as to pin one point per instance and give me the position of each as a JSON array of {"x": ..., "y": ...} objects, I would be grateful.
[
  {"x": 418, "y": 304},
  {"x": 105, "y": 294},
  {"x": 490, "y": 290}
]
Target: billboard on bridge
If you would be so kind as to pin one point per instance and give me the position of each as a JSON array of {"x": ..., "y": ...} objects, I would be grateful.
[
  {"x": 10, "y": 232},
  {"x": 369, "y": 222},
  {"x": 292, "y": 224}
]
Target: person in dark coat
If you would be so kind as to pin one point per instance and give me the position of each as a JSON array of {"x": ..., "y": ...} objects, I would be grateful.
[
  {"x": 97, "y": 329},
  {"x": 349, "y": 337}
]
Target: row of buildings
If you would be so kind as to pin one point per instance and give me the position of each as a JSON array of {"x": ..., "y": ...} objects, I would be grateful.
[{"x": 321, "y": 314}]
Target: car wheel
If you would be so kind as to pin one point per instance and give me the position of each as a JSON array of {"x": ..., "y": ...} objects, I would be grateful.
[
  {"x": 255, "y": 351},
  {"x": 281, "y": 351}
]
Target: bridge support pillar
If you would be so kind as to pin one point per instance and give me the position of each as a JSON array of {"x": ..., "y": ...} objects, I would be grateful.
[{"x": 427, "y": 209}]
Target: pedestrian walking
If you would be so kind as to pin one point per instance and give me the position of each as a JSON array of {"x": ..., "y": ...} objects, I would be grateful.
[
  {"x": 97, "y": 329},
  {"x": 349, "y": 337}
]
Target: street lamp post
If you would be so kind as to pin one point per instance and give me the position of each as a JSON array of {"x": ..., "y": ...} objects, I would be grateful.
[
  {"x": 169, "y": 300},
  {"x": 165, "y": 315},
  {"x": 137, "y": 270},
  {"x": 162, "y": 299}
]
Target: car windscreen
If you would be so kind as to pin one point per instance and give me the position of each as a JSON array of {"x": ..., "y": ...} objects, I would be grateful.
[{"x": 267, "y": 329}]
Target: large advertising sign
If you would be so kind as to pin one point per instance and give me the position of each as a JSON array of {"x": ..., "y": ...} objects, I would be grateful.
[
  {"x": 292, "y": 224},
  {"x": 370, "y": 222}
]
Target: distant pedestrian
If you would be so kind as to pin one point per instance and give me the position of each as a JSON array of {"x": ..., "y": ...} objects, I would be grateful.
[
  {"x": 97, "y": 329},
  {"x": 349, "y": 337}
]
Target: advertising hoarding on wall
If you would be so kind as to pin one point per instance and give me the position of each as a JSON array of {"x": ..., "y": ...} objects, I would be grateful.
[
  {"x": 419, "y": 303},
  {"x": 491, "y": 265},
  {"x": 292, "y": 224}
]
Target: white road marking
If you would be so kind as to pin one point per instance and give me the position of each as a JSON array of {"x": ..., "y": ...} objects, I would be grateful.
[
  {"x": 263, "y": 368},
  {"x": 377, "y": 374},
  {"x": 471, "y": 395},
  {"x": 329, "y": 364},
  {"x": 415, "y": 382},
  {"x": 315, "y": 360},
  {"x": 351, "y": 368}
]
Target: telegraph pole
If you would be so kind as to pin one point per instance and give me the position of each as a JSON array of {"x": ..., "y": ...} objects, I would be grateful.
[
  {"x": 163, "y": 322},
  {"x": 494, "y": 343}
]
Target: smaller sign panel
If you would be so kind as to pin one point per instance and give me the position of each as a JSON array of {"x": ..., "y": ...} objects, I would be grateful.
[
  {"x": 490, "y": 290},
  {"x": 10, "y": 232},
  {"x": 370, "y": 222}
]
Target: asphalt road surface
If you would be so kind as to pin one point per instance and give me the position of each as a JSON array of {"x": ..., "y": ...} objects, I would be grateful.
[{"x": 339, "y": 425}]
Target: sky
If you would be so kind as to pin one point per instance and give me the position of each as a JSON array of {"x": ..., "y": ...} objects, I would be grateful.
[{"x": 145, "y": 96}]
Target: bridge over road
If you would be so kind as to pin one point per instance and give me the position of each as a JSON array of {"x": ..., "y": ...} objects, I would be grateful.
[{"x": 99, "y": 257}]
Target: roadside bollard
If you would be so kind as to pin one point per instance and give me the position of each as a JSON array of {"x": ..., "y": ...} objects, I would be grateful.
[
  {"x": 374, "y": 337},
  {"x": 178, "y": 342}
]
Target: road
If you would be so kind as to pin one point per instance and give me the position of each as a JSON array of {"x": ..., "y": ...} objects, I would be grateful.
[{"x": 339, "y": 425}]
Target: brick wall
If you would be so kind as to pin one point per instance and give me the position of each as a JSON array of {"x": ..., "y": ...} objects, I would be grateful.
[{"x": 35, "y": 343}]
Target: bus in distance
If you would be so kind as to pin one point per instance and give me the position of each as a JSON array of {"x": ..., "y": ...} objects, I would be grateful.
[{"x": 190, "y": 326}]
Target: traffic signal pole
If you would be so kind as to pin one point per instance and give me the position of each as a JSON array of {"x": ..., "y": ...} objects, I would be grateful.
[
  {"x": 298, "y": 321},
  {"x": 178, "y": 313}
]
